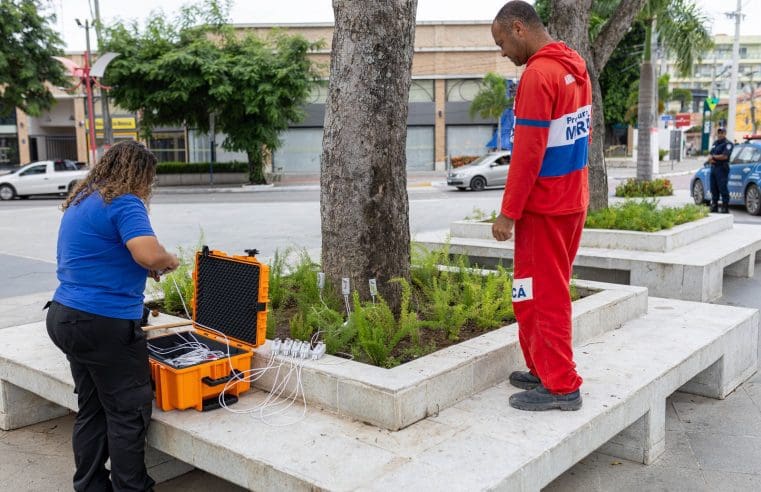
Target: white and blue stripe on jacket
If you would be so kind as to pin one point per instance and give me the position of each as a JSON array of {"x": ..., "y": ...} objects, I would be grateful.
[{"x": 567, "y": 143}]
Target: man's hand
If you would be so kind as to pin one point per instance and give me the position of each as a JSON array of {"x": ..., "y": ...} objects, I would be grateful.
[{"x": 502, "y": 229}]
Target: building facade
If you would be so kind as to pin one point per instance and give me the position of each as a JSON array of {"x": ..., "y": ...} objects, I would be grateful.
[
  {"x": 711, "y": 74},
  {"x": 450, "y": 60}
]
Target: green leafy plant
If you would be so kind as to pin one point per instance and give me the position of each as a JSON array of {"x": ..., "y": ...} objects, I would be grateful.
[
  {"x": 644, "y": 216},
  {"x": 637, "y": 188},
  {"x": 479, "y": 215},
  {"x": 378, "y": 332}
]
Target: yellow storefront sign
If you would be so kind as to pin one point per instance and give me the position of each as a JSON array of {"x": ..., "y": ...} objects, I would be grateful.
[{"x": 120, "y": 123}]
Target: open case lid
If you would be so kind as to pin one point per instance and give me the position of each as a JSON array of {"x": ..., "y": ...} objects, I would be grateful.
[{"x": 230, "y": 291}]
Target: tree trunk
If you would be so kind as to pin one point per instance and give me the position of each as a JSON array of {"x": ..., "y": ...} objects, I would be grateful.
[
  {"x": 363, "y": 198},
  {"x": 499, "y": 133},
  {"x": 647, "y": 109},
  {"x": 598, "y": 172},
  {"x": 255, "y": 167}
]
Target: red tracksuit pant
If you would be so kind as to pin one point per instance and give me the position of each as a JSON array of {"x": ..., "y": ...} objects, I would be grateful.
[{"x": 545, "y": 247}]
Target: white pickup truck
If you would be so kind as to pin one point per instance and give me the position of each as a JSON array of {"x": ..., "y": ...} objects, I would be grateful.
[{"x": 41, "y": 178}]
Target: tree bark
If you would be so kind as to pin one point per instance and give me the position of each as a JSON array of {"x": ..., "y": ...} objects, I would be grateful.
[
  {"x": 645, "y": 123},
  {"x": 569, "y": 22},
  {"x": 363, "y": 199}
]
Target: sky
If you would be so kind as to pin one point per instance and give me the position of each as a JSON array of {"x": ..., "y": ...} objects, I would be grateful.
[{"x": 299, "y": 11}]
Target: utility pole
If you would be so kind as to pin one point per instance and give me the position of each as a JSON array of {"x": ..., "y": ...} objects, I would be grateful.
[
  {"x": 88, "y": 92},
  {"x": 108, "y": 137},
  {"x": 731, "y": 116}
]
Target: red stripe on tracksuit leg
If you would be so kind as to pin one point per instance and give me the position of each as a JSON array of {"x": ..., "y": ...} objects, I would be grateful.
[{"x": 545, "y": 247}]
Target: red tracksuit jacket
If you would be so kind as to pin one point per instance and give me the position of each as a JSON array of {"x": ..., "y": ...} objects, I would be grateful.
[{"x": 553, "y": 118}]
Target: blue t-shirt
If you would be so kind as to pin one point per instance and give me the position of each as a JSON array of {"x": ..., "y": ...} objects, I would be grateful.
[{"x": 96, "y": 271}]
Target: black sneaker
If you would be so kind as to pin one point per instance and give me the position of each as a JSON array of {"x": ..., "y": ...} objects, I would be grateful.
[
  {"x": 539, "y": 399},
  {"x": 714, "y": 208},
  {"x": 524, "y": 380},
  {"x": 723, "y": 210}
]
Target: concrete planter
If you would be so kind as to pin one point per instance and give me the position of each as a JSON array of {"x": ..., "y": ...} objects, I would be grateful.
[
  {"x": 661, "y": 241},
  {"x": 395, "y": 398},
  {"x": 200, "y": 179}
]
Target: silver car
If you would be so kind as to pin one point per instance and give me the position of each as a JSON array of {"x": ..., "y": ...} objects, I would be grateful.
[{"x": 488, "y": 170}]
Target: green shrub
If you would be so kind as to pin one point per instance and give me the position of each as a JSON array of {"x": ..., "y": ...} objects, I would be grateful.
[
  {"x": 644, "y": 216},
  {"x": 636, "y": 188},
  {"x": 479, "y": 215},
  {"x": 662, "y": 153},
  {"x": 444, "y": 295},
  {"x": 200, "y": 167}
]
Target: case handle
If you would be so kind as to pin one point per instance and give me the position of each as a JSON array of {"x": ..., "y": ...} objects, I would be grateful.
[{"x": 216, "y": 382}]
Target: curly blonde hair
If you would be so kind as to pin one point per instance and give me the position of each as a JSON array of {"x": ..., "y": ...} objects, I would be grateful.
[{"x": 127, "y": 167}]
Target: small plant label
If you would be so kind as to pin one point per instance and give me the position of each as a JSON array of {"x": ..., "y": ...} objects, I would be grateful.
[{"x": 345, "y": 286}]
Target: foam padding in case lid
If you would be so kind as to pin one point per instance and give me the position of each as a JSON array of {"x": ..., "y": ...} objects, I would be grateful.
[{"x": 227, "y": 297}]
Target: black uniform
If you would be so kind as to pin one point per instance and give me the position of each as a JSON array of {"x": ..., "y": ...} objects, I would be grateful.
[{"x": 720, "y": 173}]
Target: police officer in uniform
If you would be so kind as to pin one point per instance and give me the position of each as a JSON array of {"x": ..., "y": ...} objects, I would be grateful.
[{"x": 719, "y": 160}]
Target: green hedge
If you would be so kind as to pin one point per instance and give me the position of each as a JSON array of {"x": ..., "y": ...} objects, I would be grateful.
[
  {"x": 200, "y": 167},
  {"x": 635, "y": 188},
  {"x": 644, "y": 216}
]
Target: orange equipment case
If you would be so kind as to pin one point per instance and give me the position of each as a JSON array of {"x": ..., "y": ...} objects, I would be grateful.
[{"x": 230, "y": 296}]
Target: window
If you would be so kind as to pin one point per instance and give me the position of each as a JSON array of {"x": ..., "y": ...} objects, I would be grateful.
[
  {"x": 421, "y": 91},
  {"x": 462, "y": 90},
  {"x": 744, "y": 155},
  {"x": 41, "y": 169}
]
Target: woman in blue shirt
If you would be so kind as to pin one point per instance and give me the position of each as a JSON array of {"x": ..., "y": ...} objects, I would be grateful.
[{"x": 106, "y": 249}]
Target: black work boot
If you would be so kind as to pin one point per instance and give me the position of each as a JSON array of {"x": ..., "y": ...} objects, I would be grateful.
[
  {"x": 714, "y": 208},
  {"x": 539, "y": 399},
  {"x": 524, "y": 380}
]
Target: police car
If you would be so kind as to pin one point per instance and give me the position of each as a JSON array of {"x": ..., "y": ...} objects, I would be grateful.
[{"x": 744, "y": 177}]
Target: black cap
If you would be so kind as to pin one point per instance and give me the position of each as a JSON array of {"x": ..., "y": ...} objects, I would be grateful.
[{"x": 721, "y": 129}]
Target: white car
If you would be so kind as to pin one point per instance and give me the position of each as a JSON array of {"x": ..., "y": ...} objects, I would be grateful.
[
  {"x": 41, "y": 178},
  {"x": 488, "y": 170}
]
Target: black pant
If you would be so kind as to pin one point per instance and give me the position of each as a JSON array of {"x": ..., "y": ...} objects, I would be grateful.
[
  {"x": 719, "y": 179},
  {"x": 109, "y": 362}
]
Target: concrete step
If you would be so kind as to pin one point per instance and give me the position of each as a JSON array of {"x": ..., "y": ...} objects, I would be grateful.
[
  {"x": 692, "y": 272},
  {"x": 479, "y": 443}
]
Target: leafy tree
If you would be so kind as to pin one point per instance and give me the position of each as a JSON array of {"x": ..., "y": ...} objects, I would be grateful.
[
  {"x": 491, "y": 101},
  {"x": 683, "y": 30},
  {"x": 26, "y": 57},
  {"x": 182, "y": 71},
  {"x": 664, "y": 97},
  {"x": 620, "y": 73}
]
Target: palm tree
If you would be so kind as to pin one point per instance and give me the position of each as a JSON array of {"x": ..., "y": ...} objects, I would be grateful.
[
  {"x": 682, "y": 28},
  {"x": 491, "y": 101}
]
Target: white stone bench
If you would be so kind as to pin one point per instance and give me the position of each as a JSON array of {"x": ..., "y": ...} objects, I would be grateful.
[
  {"x": 478, "y": 443},
  {"x": 687, "y": 262}
]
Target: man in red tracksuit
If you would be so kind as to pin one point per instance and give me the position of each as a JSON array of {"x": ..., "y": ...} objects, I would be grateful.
[{"x": 545, "y": 198}]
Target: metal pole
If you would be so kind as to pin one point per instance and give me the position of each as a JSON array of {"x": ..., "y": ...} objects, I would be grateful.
[
  {"x": 88, "y": 91},
  {"x": 731, "y": 116},
  {"x": 108, "y": 137},
  {"x": 212, "y": 148}
]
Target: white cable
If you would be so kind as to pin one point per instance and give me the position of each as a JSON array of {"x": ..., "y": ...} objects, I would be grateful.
[{"x": 273, "y": 399}]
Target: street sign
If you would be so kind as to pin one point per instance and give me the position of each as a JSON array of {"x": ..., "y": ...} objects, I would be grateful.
[{"x": 683, "y": 120}]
